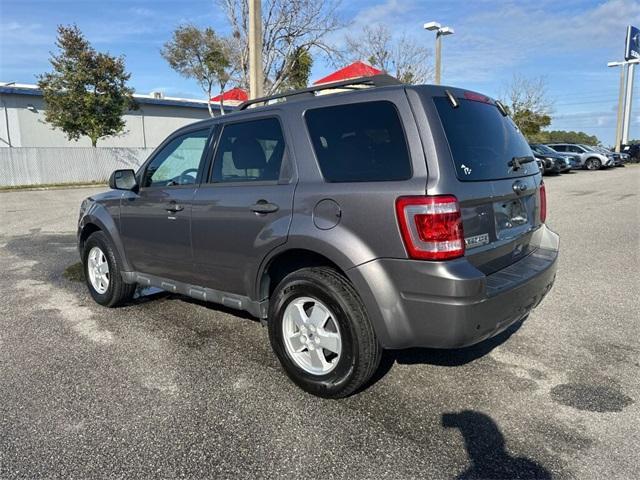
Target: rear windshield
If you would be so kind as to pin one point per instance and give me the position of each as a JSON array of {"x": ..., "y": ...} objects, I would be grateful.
[
  {"x": 482, "y": 141},
  {"x": 359, "y": 142}
]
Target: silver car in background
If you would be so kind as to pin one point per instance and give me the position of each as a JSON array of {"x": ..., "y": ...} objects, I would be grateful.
[
  {"x": 589, "y": 158},
  {"x": 618, "y": 158}
]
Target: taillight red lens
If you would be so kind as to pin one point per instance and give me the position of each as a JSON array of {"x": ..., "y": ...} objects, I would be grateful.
[
  {"x": 431, "y": 227},
  {"x": 543, "y": 203}
]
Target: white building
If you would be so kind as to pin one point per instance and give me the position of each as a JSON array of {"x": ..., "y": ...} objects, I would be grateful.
[{"x": 22, "y": 121}]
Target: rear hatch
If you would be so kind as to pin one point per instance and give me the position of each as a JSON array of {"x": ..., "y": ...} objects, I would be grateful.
[{"x": 497, "y": 180}]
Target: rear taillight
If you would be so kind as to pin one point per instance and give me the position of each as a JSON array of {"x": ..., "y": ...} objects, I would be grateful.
[
  {"x": 543, "y": 203},
  {"x": 431, "y": 227}
]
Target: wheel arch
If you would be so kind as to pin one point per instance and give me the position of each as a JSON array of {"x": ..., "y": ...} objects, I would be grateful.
[
  {"x": 285, "y": 261},
  {"x": 99, "y": 219}
]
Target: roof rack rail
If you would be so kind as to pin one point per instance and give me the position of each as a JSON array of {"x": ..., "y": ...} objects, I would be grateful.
[{"x": 381, "y": 80}]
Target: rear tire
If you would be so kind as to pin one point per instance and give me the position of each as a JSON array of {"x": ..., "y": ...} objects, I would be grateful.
[
  {"x": 593, "y": 164},
  {"x": 102, "y": 272},
  {"x": 345, "y": 322}
]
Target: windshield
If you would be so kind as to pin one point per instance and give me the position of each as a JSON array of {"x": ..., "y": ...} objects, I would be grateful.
[
  {"x": 587, "y": 148},
  {"x": 483, "y": 143}
]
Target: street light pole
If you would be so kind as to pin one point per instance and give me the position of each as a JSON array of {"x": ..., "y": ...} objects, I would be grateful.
[
  {"x": 438, "y": 57},
  {"x": 440, "y": 32},
  {"x": 256, "y": 74}
]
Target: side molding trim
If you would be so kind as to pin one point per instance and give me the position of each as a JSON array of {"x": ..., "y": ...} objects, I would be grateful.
[{"x": 231, "y": 300}]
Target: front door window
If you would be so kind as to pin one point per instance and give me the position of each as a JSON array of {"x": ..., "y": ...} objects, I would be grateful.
[{"x": 178, "y": 162}]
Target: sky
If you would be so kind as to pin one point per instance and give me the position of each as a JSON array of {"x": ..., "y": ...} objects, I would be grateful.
[{"x": 568, "y": 42}]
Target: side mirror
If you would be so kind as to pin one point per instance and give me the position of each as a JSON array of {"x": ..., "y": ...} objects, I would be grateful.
[{"x": 123, "y": 180}]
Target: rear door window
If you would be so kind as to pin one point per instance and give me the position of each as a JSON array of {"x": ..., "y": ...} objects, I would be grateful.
[
  {"x": 361, "y": 142},
  {"x": 483, "y": 143},
  {"x": 249, "y": 152}
]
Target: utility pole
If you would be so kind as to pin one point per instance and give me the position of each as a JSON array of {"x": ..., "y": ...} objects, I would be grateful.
[
  {"x": 256, "y": 74},
  {"x": 440, "y": 32}
]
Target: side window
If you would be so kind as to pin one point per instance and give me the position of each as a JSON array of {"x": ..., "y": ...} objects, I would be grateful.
[
  {"x": 361, "y": 142},
  {"x": 249, "y": 152},
  {"x": 178, "y": 162},
  {"x": 559, "y": 148}
]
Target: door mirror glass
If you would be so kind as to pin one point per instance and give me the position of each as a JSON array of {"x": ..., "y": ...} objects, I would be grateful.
[{"x": 123, "y": 180}]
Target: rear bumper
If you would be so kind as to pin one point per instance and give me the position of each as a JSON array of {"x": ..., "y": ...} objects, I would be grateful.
[{"x": 452, "y": 304}]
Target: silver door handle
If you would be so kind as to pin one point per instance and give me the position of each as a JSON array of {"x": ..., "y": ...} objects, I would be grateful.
[
  {"x": 262, "y": 206},
  {"x": 174, "y": 207}
]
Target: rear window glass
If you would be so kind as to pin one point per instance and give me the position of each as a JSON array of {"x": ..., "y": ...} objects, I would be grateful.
[
  {"x": 482, "y": 141},
  {"x": 361, "y": 142}
]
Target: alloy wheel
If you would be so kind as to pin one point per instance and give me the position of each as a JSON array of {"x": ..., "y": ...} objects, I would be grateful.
[
  {"x": 311, "y": 335},
  {"x": 98, "y": 270}
]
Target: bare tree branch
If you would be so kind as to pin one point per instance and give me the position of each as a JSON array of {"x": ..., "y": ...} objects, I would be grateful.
[
  {"x": 288, "y": 26},
  {"x": 528, "y": 104},
  {"x": 401, "y": 57}
]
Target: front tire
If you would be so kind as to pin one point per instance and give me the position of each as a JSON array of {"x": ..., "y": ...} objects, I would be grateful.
[
  {"x": 102, "y": 272},
  {"x": 593, "y": 164},
  {"x": 320, "y": 332}
]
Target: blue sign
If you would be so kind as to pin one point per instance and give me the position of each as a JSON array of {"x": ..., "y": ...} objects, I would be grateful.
[{"x": 632, "y": 46}]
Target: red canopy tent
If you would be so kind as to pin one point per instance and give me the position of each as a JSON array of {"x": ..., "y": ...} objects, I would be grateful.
[
  {"x": 355, "y": 70},
  {"x": 232, "y": 96}
]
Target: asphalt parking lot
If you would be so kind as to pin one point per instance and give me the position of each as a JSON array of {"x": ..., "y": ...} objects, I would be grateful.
[{"x": 169, "y": 387}]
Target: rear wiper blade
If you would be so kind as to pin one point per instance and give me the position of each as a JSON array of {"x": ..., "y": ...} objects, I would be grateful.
[{"x": 517, "y": 162}]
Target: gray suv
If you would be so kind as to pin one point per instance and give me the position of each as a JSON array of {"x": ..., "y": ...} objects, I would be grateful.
[
  {"x": 378, "y": 218},
  {"x": 589, "y": 158}
]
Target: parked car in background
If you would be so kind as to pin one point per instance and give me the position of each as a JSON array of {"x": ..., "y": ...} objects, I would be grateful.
[
  {"x": 552, "y": 160},
  {"x": 617, "y": 157},
  {"x": 589, "y": 158},
  {"x": 633, "y": 151},
  {"x": 348, "y": 223}
]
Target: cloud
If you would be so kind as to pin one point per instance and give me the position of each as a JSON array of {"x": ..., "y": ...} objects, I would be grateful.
[
  {"x": 494, "y": 36},
  {"x": 15, "y": 33}
]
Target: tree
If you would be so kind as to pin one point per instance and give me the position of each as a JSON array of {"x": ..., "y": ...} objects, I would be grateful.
[
  {"x": 86, "y": 94},
  {"x": 527, "y": 103},
  {"x": 300, "y": 70},
  {"x": 563, "y": 136},
  {"x": 288, "y": 26},
  {"x": 203, "y": 56},
  {"x": 402, "y": 57}
]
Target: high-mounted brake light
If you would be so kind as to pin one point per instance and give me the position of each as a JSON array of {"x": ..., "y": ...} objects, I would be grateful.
[
  {"x": 431, "y": 226},
  {"x": 476, "y": 97},
  {"x": 543, "y": 203}
]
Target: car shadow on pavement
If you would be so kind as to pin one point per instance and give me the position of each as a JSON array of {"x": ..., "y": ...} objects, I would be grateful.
[
  {"x": 453, "y": 357},
  {"x": 485, "y": 445}
]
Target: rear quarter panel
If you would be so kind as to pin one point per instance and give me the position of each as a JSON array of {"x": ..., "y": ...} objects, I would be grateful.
[{"x": 367, "y": 227}]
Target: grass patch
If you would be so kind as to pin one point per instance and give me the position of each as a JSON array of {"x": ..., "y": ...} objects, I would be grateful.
[{"x": 74, "y": 273}]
